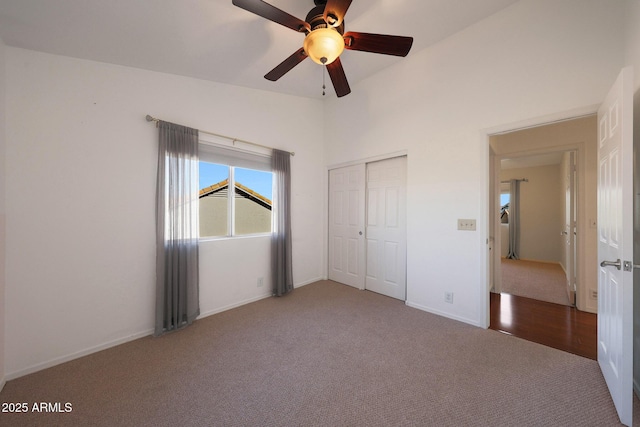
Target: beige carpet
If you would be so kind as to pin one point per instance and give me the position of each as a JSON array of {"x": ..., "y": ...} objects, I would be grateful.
[
  {"x": 326, "y": 355},
  {"x": 543, "y": 281}
]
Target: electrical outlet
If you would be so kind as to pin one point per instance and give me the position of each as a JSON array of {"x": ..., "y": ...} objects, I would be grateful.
[
  {"x": 448, "y": 297},
  {"x": 594, "y": 293},
  {"x": 260, "y": 281},
  {"x": 467, "y": 224}
]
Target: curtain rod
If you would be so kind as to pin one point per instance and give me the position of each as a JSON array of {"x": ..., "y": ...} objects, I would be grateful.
[
  {"x": 523, "y": 180},
  {"x": 233, "y": 140}
]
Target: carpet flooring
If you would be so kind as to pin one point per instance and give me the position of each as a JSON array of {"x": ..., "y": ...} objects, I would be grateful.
[
  {"x": 324, "y": 355},
  {"x": 543, "y": 281}
]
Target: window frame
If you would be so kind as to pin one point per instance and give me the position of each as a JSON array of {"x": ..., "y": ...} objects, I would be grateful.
[{"x": 215, "y": 150}]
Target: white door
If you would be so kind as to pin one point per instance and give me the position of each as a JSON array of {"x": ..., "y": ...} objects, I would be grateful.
[
  {"x": 386, "y": 227},
  {"x": 346, "y": 225},
  {"x": 615, "y": 243}
]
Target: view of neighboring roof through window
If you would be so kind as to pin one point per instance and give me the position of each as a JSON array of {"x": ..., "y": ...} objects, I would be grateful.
[
  {"x": 504, "y": 207},
  {"x": 504, "y": 198},
  {"x": 247, "y": 213}
]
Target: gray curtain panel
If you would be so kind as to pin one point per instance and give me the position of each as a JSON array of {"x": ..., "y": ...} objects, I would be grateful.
[
  {"x": 177, "y": 288},
  {"x": 281, "y": 269},
  {"x": 514, "y": 220}
]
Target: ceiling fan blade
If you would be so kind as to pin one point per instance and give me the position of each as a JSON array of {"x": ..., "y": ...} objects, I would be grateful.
[
  {"x": 274, "y": 14},
  {"x": 378, "y": 43},
  {"x": 335, "y": 10},
  {"x": 287, "y": 65},
  {"x": 338, "y": 78}
]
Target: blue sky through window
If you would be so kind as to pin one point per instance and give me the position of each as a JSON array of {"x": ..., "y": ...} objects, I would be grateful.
[
  {"x": 211, "y": 173},
  {"x": 504, "y": 199},
  {"x": 259, "y": 181}
]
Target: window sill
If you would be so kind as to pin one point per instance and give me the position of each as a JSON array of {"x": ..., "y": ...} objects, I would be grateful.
[{"x": 244, "y": 236}]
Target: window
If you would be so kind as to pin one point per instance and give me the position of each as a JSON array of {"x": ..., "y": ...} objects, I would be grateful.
[
  {"x": 235, "y": 193},
  {"x": 505, "y": 196}
]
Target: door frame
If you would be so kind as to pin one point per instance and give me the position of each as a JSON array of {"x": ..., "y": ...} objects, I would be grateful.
[
  {"x": 572, "y": 260},
  {"x": 488, "y": 247}
]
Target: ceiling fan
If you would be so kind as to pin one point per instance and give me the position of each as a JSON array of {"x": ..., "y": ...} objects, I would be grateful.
[{"x": 325, "y": 38}]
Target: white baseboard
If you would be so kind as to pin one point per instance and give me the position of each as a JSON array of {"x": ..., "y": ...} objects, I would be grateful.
[
  {"x": 537, "y": 260},
  {"x": 232, "y": 306},
  {"x": 308, "y": 282},
  {"x": 88, "y": 351},
  {"x": 444, "y": 314},
  {"x": 249, "y": 301},
  {"x": 563, "y": 269},
  {"x": 57, "y": 361}
]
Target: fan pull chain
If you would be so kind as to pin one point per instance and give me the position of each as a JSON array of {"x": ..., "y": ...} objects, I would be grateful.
[
  {"x": 324, "y": 67},
  {"x": 323, "y": 85}
]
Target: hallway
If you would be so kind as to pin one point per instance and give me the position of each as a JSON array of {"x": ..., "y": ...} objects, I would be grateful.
[{"x": 553, "y": 325}]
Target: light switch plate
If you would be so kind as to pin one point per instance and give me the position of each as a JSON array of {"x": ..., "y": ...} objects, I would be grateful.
[{"x": 467, "y": 224}]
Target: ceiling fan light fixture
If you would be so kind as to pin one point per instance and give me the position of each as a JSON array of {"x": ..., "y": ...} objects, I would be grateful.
[{"x": 323, "y": 45}]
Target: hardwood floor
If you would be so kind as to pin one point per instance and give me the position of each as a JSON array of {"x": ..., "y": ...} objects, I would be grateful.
[{"x": 553, "y": 325}]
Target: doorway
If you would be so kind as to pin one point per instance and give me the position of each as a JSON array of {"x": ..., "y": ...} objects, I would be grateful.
[
  {"x": 560, "y": 157},
  {"x": 537, "y": 226},
  {"x": 367, "y": 226}
]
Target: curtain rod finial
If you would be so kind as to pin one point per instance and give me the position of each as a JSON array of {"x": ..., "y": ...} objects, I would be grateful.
[{"x": 149, "y": 118}]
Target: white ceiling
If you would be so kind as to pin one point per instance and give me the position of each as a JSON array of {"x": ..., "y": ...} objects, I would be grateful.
[{"x": 215, "y": 40}]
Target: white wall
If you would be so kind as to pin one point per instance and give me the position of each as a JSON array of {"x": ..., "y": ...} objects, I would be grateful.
[
  {"x": 540, "y": 212},
  {"x": 632, "y": 37},
  {"x": 81, "y": 170},
  {"x": 2, "y": 215},
  {"x": 534, "y": 59}
]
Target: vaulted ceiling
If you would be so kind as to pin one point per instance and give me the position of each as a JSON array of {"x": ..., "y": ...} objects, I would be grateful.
[{"x": 215, "y": 40}]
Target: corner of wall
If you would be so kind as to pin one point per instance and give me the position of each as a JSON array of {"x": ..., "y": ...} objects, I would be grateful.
[{"x": 2, "y": 215}]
